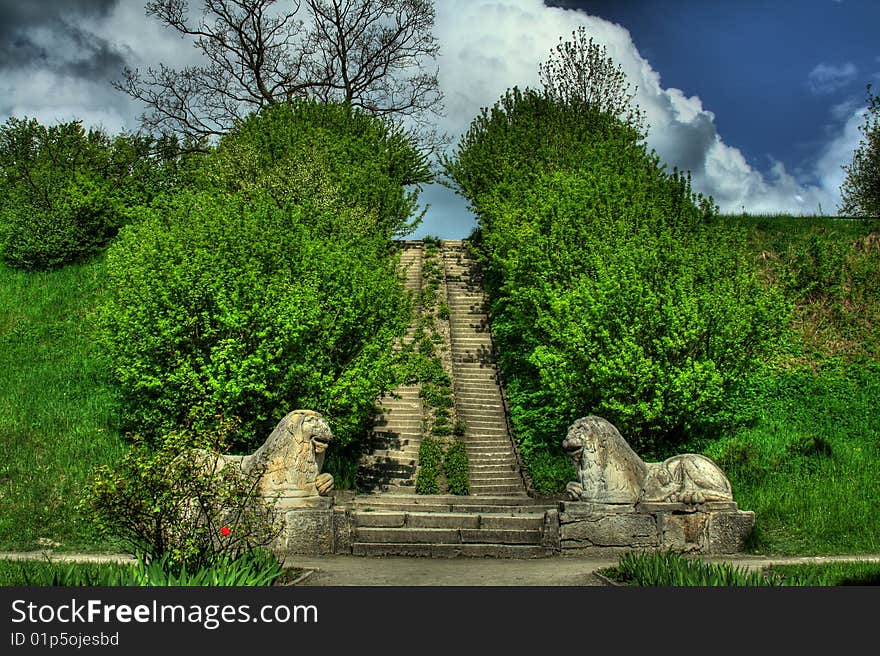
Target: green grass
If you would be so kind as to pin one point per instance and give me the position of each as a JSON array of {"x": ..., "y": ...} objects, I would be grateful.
[
  {"x": 57, "y": 409},
  {"x": 256, "y": 569},
  {"x": 664, "y": 569},
  {"x": 826, "y": 574},
  {"x": 808, "y": 462},
  {"x": 810, "y": 465}
]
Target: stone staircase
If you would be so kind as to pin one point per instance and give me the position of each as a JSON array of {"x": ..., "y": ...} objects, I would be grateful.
[
  {"x": 493, "y": 464},
  {"x": 498, "y": 519},
  {"x": 391, "y": 457},
  {"x": 448, "y": 526}
]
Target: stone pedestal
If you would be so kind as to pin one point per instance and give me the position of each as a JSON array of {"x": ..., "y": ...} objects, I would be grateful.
[
  {"x": 308, "y": 528},
  {"x": 708, "y": 528}
]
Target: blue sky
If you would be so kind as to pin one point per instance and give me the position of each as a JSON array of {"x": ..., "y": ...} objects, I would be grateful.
[
  {"x": 760, "y": 99},
  {"x": 772, "y": 71}
]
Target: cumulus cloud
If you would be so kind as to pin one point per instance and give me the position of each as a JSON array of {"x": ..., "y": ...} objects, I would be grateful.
[
  {"x": 489, "y": 46},
  {"x": 828, "y": 78},
  {"x": 58, "y": 59}
]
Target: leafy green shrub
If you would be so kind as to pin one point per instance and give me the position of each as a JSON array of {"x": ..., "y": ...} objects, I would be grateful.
[
  {"x": 550, "y": 471},
  {"x": 615, "y": 291},
  {"x": 65, "y": 192},
  {"x": 229, "y": 306},
  {"x": 430, "y": 465},
  {"x": 179, "y": 504},
  {"x": 329, "y": 158},
  {"x": 455, "y": 464},
  {"x": 81, "y": 221}
]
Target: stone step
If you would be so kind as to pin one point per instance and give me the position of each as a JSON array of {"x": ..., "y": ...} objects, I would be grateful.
[
  {"x": 490, "y": 489},
  {"x": 411, "y": 535},
  {"x": 448, "y": 503},
  {"x": 485, "y": 521},
  {"x": 409, "y": 455},
  {"x": 451, "y": 550}
]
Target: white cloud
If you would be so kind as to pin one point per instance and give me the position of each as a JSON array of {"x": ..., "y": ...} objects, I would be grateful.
[
  {"x": 828, "y": 78},
  {"x": 489, "y": 46}
]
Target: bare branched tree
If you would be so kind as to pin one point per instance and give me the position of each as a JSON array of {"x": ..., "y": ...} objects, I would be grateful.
[
  {"x": 370, "y": 54},
  {"x": 581, "y": 71}
]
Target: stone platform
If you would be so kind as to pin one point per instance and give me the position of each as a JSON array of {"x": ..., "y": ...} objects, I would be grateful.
[{"x": 407, "y": 525}]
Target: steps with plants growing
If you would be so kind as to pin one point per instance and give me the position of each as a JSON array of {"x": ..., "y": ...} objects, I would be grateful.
[
  {"x": 390, "y": 459},
  {"x": 446, "y": 526},
  {"x": 494, "y": 468}
]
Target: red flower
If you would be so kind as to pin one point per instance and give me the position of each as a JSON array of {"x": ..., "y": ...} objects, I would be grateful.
[{"x": 224, "y": 531}]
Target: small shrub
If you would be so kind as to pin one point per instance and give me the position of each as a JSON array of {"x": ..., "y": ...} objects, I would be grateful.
[
  {"x": 430, "y": 464},
  {"x": 550, "y": 471},
  {"x": 81, "y": 219},
  {"x": 455, "y": 464},
  {"x": 179, "y": 505}
]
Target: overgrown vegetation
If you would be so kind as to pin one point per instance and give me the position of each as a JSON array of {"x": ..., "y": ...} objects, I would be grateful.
[
  {"x": 65, "y": 192},
  {"x": 615, "y": 290},
  {"x": 229, "y": 307},
  {"x": 236, "y": 291},
  {"x": 443, "y": 461},
  {"x": 182, "y": 504},
  {"x": 805, "y": 454}
]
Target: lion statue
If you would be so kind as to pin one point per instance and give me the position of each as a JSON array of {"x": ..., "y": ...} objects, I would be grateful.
[
  {"x": 291, "y": 458},
  {"x": 609, "y": 471}
]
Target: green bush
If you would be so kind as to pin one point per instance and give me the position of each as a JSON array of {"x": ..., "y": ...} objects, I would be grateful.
[
  {"x": 455, "y": 464},
  {"x": 430, "y": 467},
  {"x": 329, "y": 158},
  {"x": 550, "y": 470},
  {"x": 81, "y": 220},
  {"x": 230, "y": 307},
  {"x": 180, "y": 504},
  {"x": 65, "y": 192},
  {"x": 615, "y": 290}
]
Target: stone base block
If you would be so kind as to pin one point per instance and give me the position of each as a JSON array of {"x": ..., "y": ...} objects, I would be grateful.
[{"x": 711, "y": 528}]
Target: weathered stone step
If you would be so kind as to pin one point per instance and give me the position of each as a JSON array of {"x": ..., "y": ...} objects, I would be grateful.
[
  {"x": 451, "y": 550},
  {"x": 410, "y": 535},
  {"x": 486, "y": 521},
  {"x": 447, "y": 503},
  {"x": 494, "y": 490}
]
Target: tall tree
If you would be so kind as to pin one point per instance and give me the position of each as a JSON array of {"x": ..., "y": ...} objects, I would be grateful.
[
  {"x": 369, "y": 54},
  {"x": 860, "y": 192}
]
